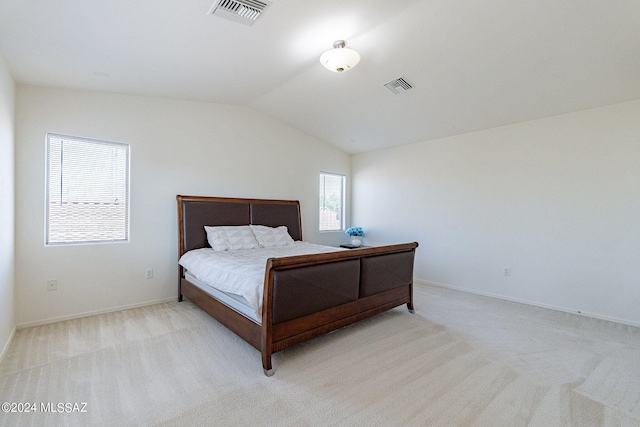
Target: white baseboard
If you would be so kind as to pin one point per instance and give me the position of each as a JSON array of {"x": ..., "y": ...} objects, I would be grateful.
[
  {"x": 7, "y": 344},
  {"x": 93, "y": 313},
  {"x": 533, "y": 303}
]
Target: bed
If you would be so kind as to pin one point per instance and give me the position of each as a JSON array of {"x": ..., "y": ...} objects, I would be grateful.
[{"x": 303, "y": 296}]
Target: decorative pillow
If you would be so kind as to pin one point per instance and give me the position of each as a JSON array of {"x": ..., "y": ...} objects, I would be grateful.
[
  {"x": 269, "y": 237},
  {"x": 228, "y": 238}
]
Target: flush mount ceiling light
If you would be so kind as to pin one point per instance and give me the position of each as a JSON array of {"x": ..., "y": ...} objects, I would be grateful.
[{"x": 339, "y": 58}]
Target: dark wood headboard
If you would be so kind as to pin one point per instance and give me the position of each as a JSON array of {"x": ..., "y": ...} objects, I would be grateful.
[{"x": 194, "y": 212}]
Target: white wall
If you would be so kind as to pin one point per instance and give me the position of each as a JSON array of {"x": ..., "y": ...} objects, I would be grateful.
[
  {"x": 555, "y": 200},
  {"x": 177, "y": 147},
  {"x": 7, "y": 207}
]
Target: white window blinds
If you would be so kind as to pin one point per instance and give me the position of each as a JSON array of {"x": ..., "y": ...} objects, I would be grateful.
[
  {"x": 87, "y": 191},
  {"x": 331, "y": 202}
]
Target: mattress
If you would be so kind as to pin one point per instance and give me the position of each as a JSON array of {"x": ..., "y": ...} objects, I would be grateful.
[
  {"x": 241, "y": 272},
  {"x": 236, "y": 302}
]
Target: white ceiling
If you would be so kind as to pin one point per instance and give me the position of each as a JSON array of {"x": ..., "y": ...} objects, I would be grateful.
[{"x": 473, "y": 64}]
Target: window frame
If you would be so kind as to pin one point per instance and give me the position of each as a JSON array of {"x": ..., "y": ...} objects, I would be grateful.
[
  {"x": 47, "y": 197},
  {"x": 343, "y": 198}
]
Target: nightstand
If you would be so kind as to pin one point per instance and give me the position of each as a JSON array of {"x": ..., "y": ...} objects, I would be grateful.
[{"x": 350, "y": 246}]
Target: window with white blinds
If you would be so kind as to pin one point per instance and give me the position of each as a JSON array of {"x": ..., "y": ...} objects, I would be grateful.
[
  {"x": 87, "y": 191},
  {"x": 331, "y": 202}
]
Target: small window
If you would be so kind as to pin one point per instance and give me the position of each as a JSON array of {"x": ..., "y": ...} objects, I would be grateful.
[
  {"x": 87, "y": 191},
  {"x": 331, "y": 202}
]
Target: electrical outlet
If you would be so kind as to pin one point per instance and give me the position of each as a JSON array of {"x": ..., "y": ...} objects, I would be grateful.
[
  {"x": 506, "y": 271},
  {"x": 149, "y": 273},
  {"x": 52, "y": 285}
]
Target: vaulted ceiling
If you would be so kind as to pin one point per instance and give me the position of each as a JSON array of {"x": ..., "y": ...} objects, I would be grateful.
[{"x": 473, "y": 64}]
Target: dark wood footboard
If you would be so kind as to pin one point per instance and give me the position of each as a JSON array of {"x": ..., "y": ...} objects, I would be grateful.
[{"x": 309, "y": 295}]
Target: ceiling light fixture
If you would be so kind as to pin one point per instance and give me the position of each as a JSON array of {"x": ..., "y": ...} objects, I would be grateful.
[{"x": 339, "y": 58}]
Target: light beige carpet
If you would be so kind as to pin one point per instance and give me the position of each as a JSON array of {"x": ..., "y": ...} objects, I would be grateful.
[{"x": 461, "y": 360}]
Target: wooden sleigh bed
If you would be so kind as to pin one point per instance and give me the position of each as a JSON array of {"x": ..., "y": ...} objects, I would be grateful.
[{"x": 304, "y": 296}]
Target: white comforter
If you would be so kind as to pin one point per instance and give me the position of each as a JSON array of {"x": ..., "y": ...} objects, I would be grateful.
[{"x": 241, "y": 272}]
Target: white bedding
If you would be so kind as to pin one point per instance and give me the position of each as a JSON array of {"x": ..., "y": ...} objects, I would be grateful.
[
  {"x": 236, "y": 302},
  {"x": 241, "y": 272}
]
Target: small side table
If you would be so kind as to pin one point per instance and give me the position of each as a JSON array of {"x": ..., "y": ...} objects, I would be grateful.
[{"x": 350, "y": 246}]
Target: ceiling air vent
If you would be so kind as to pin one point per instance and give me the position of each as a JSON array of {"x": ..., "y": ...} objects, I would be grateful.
[
  {"x": 243, "y": 11},
  {"x": 398, "y": 85}
]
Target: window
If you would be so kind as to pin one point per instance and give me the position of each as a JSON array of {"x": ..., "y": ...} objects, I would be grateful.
[
  {"x": 331, "y": 202},
  {"x": 87, "y": 191}
]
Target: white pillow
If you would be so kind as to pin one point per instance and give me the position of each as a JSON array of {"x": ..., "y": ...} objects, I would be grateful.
[
  {"x": 229, "y": 238},
  {"x": 269, "y": 237}
]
